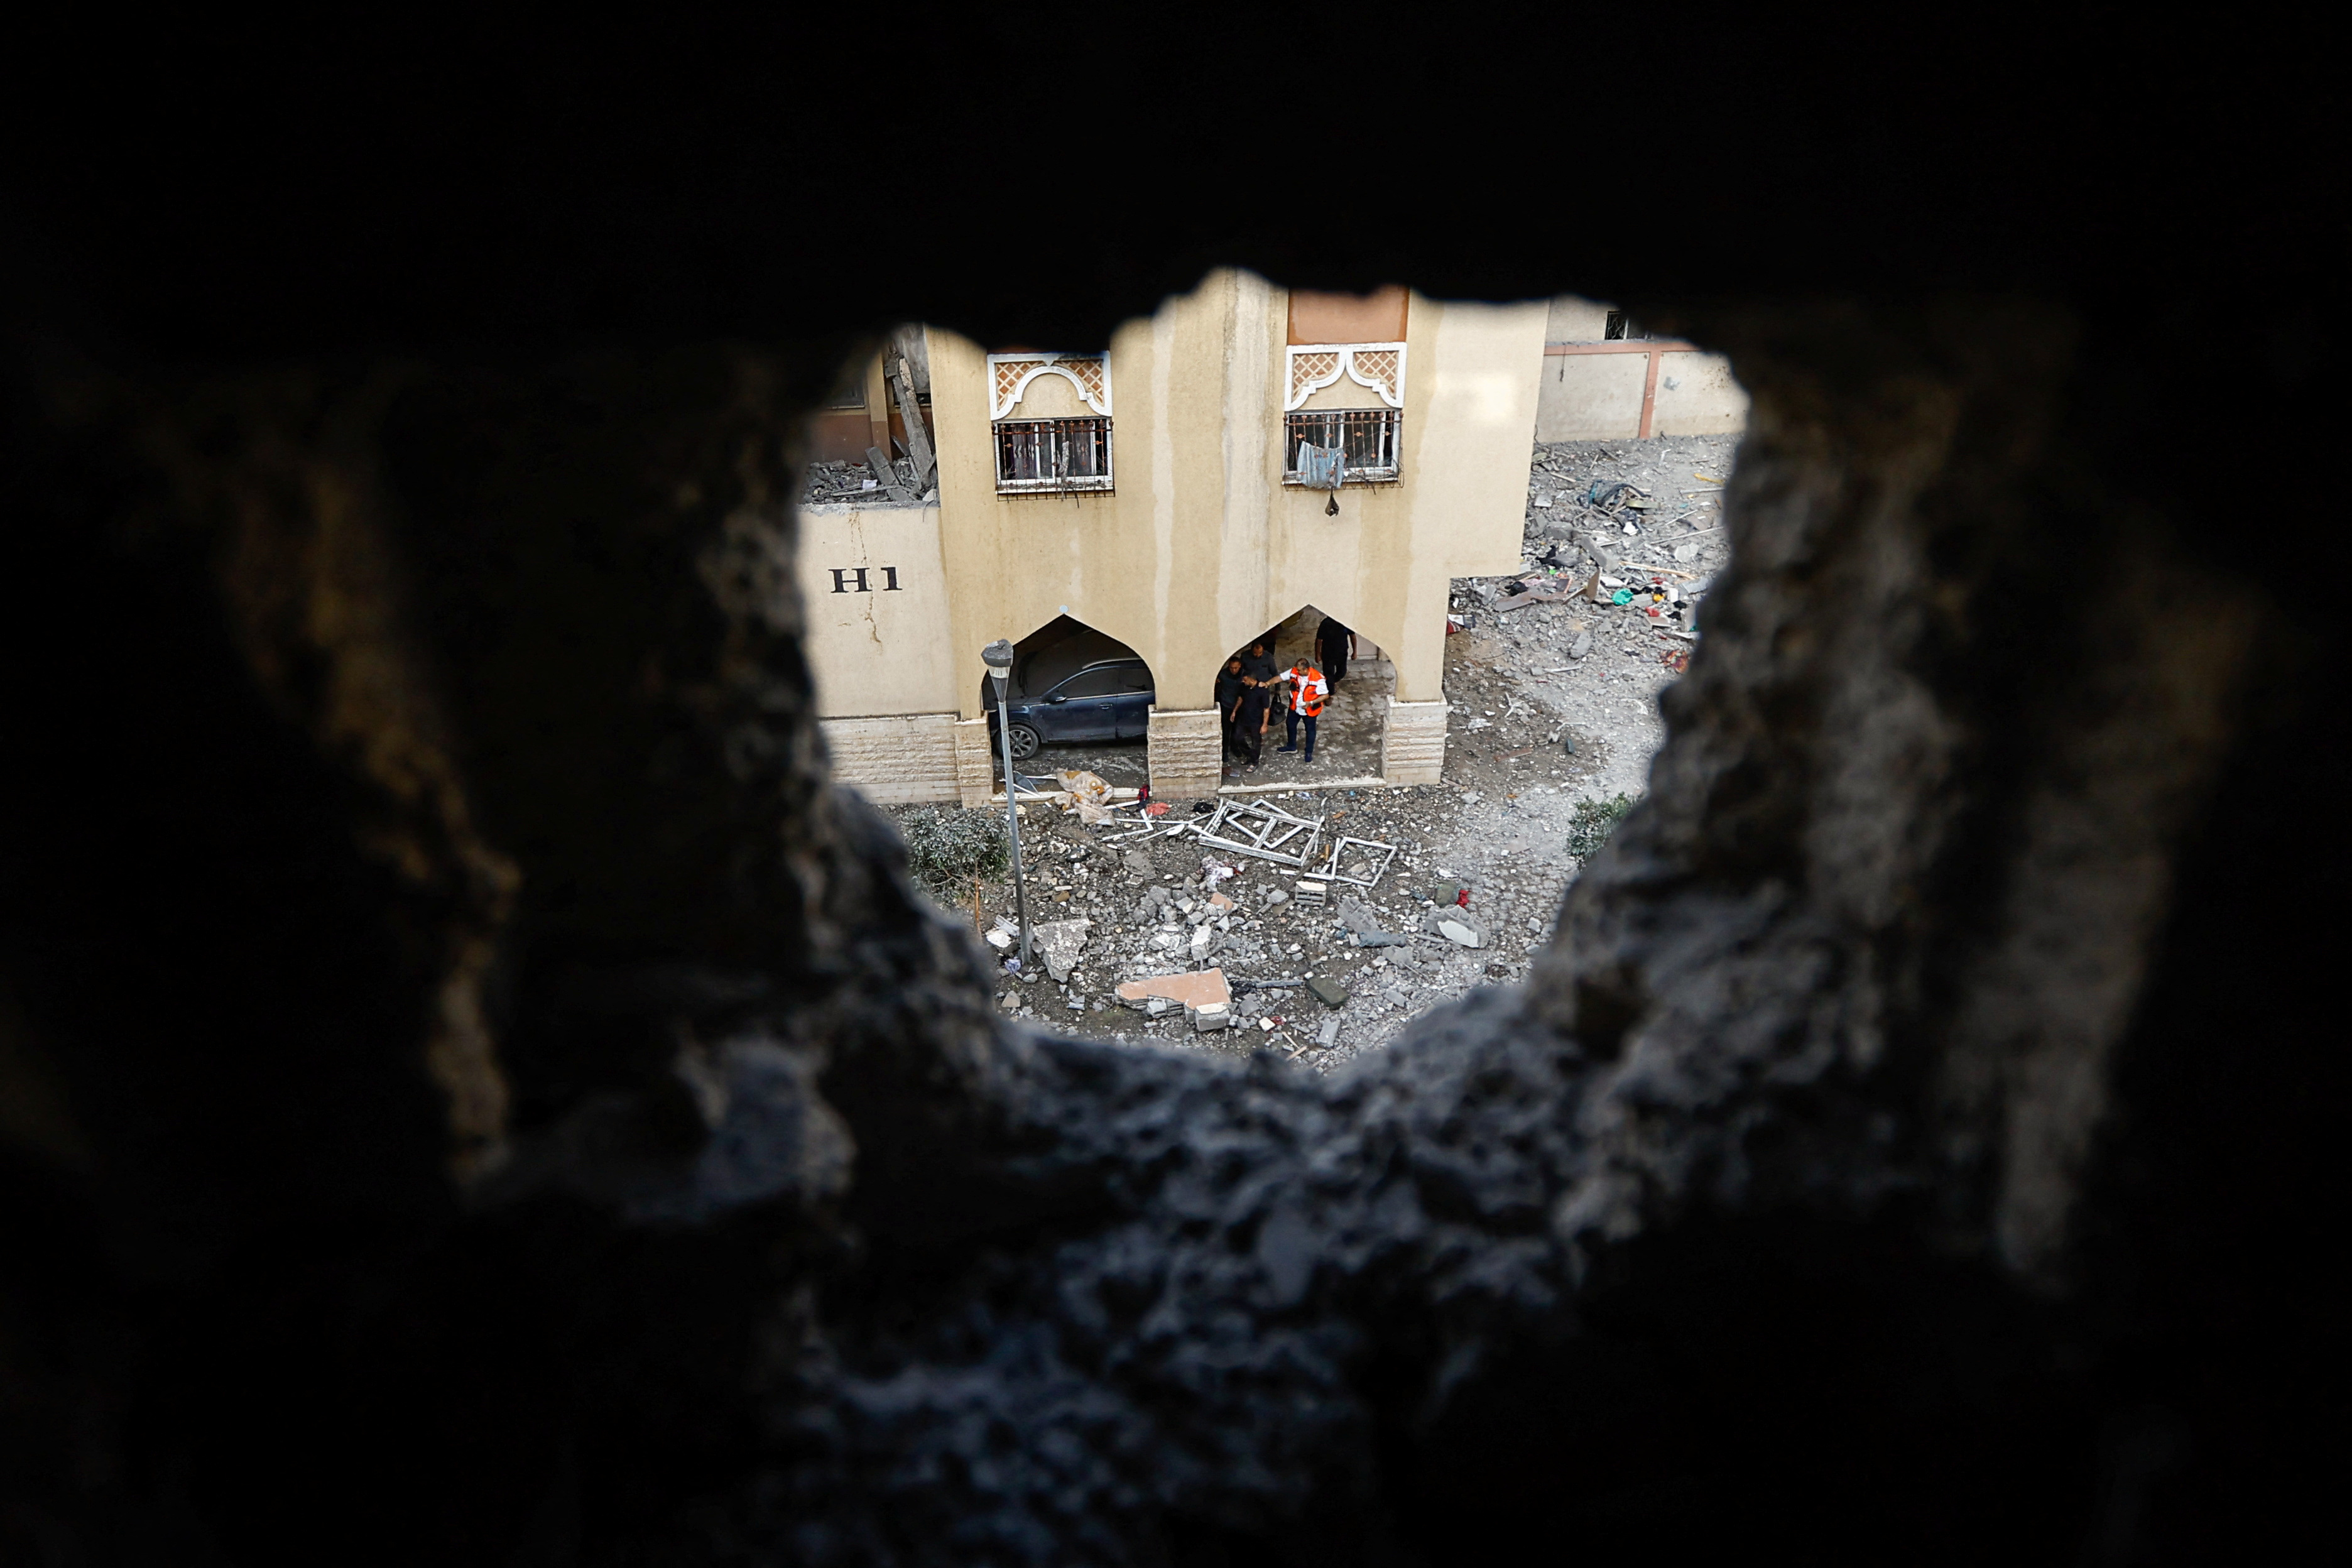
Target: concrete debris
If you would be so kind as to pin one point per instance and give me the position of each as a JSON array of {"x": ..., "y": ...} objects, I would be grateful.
[
  {"x": 1330, "y": 993},
  {"x": 1328, "y": 1034},
  {"x": 1456, "y": 926},
  {"x": 1567, "y": 691},
  {"x": 1177, "y": 990},
  {"x": 1058, "y": 943}
]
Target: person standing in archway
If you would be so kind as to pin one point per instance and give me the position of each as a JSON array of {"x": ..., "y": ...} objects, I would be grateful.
[
  {"x": 1231, "y": 684},
  {"x": 1251, "y": 716},
  {"x": 1333, "y": 642},
  {"x": 1308, "y": 691}
]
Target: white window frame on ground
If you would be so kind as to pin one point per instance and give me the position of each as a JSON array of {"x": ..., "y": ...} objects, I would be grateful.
[
  {"x": 1372, "y": 439},
  {"x": 1050, "y": 456}
]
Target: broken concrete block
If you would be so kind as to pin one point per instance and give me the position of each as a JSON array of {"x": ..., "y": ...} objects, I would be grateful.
[
  {"x": 1209, "y": 1016},
  {"x": 1329, "y": 1034},
  {"x": 1460, "y": 932},
  {"x": 1060, "y": 942},
  {"x": 1330, "y": 993},
  {"x": 1276, "y": 897},
  {"x": 1581, "y": 646},
  {"x": 1189, "y": 989}
]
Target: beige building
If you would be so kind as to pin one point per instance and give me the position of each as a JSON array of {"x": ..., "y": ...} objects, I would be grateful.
[
  {"x": 1161, "y": 491},
  {"x": 1607, "y": 379}
]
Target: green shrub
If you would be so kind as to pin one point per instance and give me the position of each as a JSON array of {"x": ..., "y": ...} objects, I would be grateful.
[
  {"x": 946, "y": 849},
  {"x": 1592, "y": 822}
]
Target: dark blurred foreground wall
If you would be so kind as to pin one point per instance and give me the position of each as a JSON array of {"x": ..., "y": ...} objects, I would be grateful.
[{"x": 470, "y": 1093}]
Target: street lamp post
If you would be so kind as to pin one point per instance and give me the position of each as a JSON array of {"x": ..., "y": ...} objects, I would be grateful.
[{"x": 998, "y": 657}]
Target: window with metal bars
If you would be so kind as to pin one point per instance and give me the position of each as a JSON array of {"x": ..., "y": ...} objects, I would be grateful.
[
  {"x": 1366, "y": 440},
  {"x": 1053, "y": 455}
]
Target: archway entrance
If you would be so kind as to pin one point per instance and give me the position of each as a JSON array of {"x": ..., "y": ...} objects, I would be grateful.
[
  {"x": 1348, "y": 732},
  {"x": 1078, "y": 698}
]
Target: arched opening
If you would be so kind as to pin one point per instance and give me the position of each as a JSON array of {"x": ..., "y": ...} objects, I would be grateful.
[
  {"x": 1343, "y": 742},
  {"x": 1077, "y": 699}
]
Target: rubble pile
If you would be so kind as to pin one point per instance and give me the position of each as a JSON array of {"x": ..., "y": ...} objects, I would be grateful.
[
  {"x": 1174, "y": 932},
  {"x": 840, "y": 483}
]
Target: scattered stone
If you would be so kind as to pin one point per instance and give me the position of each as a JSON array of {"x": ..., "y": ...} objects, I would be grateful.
[
  {"x": 1209, "y": 1016},
  {"x": 1058, "y": 943},
  {"x": 1457, "y": 928},
  {"x": 1137, "y": 863},
  {"x": 1278, "y": 898},
  {"x": 1329, "y": 1034},
  {"x": 1329, "y": 992}
]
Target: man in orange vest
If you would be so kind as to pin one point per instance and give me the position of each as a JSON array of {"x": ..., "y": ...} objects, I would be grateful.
[{"x": 1307, "y": 690}]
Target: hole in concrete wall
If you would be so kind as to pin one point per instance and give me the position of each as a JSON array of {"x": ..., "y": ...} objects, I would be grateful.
[{"x": 1541, "y": 691}]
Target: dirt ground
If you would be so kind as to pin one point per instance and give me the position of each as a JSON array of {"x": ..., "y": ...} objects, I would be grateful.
[{"x": 1526, "y": 685}]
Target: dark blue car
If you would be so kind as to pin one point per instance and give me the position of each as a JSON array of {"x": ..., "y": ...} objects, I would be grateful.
[{"x": 1107, "y": 699}]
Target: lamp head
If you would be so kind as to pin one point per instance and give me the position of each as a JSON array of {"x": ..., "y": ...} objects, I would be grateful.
[{"x": 998, "y": 657}]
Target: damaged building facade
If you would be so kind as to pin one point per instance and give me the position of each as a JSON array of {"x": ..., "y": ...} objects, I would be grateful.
[{"x": 1162, "y": 492}]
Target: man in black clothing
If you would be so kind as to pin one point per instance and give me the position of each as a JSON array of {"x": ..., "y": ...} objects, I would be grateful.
[
  {"x": 1249, "y": 719},
  {"x": 1231, "y": 683},
  {"x": 1258, "y": 663},
  {"x": 1331, "y": 642}
]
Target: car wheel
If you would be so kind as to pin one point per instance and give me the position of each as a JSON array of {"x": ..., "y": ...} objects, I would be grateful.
[{"x": 1024, "y": 743}]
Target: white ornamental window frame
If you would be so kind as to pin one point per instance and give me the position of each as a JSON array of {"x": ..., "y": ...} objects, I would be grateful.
[
  {"x": 1003, "y": 399},
  {"x": 1009, "y": 377},
  {"x": 1300, "y": 388}
]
